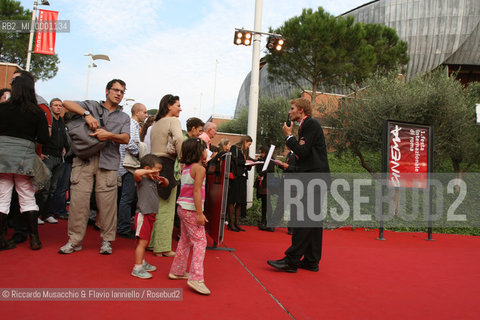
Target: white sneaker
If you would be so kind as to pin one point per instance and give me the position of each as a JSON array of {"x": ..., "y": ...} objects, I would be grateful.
[
  {"x": 141, "y": 273},
  {"x": 51, "y": 219},
  {"x": 69, "y": 248},
  {"x": 148, "y": 267},
  {"x": 40, "y": 221},
  {"x": 106, "y": 247}
]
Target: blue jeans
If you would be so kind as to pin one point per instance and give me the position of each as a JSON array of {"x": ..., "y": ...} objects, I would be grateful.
[
  {"x": 127, "y": 200},
  {"x": 45, "y": 196},
  {"x": 60, "y": 196}
]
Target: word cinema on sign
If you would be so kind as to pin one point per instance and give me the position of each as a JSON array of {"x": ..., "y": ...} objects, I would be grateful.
[{"x": 408, "y": 154}]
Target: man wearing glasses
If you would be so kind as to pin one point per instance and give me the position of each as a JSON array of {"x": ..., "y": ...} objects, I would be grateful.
[{"x": 101, "y": 168}]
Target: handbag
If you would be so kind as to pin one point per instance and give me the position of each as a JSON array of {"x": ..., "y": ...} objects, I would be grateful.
[
  {"x": 170, "y": 150},
  {"x": 133, "y": 162},
  {"x": 82, "y": 144}
]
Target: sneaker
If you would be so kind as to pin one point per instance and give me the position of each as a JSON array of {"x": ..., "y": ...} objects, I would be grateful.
[
  {"x": 69, "y": 248},
  {"x": 141, "y": 273},
  {"x": 106, "y": 247},
  {"x": 198, "y": 286},
  {"x": 148, "y": 267},
  {"x": 51, "y": 219},
  {"x": 178, "y": 277},
  {"x": 40, "y": 221}
]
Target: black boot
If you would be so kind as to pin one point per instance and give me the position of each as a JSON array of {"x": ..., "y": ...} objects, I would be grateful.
[
  {"x": 4, "y": 245},
  {"x": 32, "y": 224}
]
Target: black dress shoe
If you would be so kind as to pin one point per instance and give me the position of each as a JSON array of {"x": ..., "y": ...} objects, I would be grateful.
[
  {"x": 232, "y": 228},
  {"x": 309, "y": 267},
  {"x": 239, "y": 228},
  {"x": 282, "y": 265},
  {"x": 270, "y": 229}
]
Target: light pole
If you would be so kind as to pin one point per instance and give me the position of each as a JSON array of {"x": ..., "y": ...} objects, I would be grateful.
[
  {"x": 243, "y": 37},
  {"x": 32, "y": 31},
  {"x": 253, "y": 98},
  {"x": 93, "y": 65}
]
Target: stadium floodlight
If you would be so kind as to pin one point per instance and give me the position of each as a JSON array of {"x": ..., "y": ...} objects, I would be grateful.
[
  {"x": 275, "y": 43},
  {"x": 242, "y": 37}
]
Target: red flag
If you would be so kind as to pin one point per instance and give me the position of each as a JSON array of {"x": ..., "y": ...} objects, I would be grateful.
[{"x": 46, "y": 32}]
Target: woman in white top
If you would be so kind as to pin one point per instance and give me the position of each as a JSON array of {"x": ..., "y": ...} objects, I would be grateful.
[{"x": 168, "y": 149}]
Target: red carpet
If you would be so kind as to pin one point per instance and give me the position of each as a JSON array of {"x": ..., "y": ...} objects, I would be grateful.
[{"x": 404, "y": 277}]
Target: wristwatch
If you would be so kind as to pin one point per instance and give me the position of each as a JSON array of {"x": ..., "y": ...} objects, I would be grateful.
[{"x": 86, "y": 113}]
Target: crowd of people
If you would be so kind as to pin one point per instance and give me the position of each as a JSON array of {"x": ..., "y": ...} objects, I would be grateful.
[{"x": 165, "y": 177}]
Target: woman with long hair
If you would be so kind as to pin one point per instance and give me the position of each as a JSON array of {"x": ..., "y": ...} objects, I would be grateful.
[
  {"x": 145, "y": 132},
  {"x": 22, "y": 123},
  {"x": 166, "y": 140},
  {"x": 237, "y": 191},
  {"x": 224, "y": 145}
]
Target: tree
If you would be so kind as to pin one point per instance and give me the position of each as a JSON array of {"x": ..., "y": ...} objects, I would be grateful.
[
  {"x": 237, "y": 125},
  {"x": 389, "y": 51},
  {"x": 323, "y": 49},
  {"x": 432, "y": 99},
  {"x": 152, "y": 112},
  {"x": 271, "y": 116},
  {"x": 14, "y": 46}
]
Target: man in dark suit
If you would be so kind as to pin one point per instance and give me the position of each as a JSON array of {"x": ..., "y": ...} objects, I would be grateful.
[{"x": 311, "y": 156}]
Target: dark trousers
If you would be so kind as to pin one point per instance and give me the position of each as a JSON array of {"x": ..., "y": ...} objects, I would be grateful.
[
  {"x": 45, "y": 196},
  {"x": 63, "y": 185},
  {"x": 266, "y": 207},
  {"x": 127, "y": 201},
  {"x": 306, "y": 242}
]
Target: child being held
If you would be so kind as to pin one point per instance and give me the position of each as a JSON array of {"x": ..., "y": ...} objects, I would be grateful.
[
  {"x": 190, "y": 210},
  {"x": 147, "y": 178}
]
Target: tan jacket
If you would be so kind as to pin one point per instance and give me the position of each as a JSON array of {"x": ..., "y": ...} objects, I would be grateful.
[{"x": 159, "y": 136}]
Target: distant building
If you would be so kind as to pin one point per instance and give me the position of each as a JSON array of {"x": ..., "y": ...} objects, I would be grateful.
[
  {"x": 6, "y": 73},
  {"x": 218, "y": 120},
  {"x": 438, "y": 33}
]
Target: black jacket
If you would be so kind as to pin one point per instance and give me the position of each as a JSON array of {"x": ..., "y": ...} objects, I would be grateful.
[
  {"x": 310, "y": 148},
  {"x": 58, "y": 139}
]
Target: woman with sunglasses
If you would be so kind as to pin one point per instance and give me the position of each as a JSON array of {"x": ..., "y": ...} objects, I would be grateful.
[
  {"x": 22, "y": 124},
  {"x": 166, "y": 140}
]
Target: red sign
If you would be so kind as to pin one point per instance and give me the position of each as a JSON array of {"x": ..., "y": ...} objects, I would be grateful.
[
  {"x": 408, "y": 150},
  {"x": 46, "y": 32}
]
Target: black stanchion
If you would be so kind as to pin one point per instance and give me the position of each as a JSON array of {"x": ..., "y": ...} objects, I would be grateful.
[
  {"x": 380, "y": 229},
  {"x": 430, "y": 223},
  {"x": 380, "y": 234}
]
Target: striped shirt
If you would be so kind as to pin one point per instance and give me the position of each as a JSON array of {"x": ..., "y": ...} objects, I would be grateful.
[
  {"x": 132, "y": 145},
  {"x": 185, "y": 199}
]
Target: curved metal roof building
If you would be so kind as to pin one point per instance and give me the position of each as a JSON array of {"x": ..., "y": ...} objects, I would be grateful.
[{"x": 438, "y": 32}]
